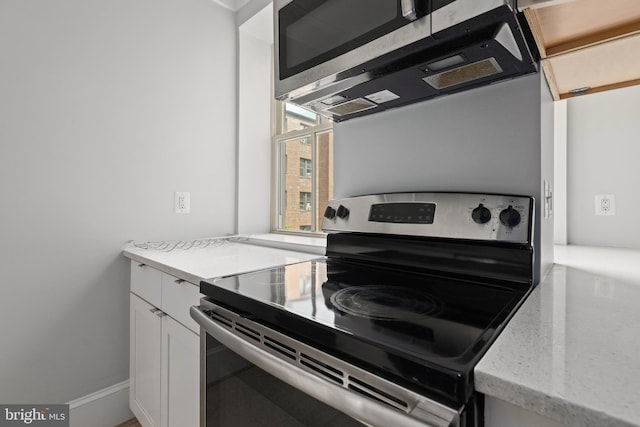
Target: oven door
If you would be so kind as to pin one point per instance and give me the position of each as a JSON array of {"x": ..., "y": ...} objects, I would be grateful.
[
  {"x": 254, "y": 376},
  {"x": 315, "y": 40}
]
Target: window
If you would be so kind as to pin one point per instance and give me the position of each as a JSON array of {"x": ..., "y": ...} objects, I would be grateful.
[
  {"x": 305, "y": 201},
  {"x": 297, "y": 118},
  {"x": 305, "y": 168},
  {"x": 303, "y": 152}
]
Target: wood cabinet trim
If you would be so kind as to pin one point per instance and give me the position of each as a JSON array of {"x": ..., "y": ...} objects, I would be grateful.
[
  {"x": 593, "y": 39},
  {"x": 604, "y": 88}
]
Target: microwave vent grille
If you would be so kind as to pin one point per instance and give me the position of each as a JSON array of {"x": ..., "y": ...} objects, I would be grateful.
[
  {"x": 350, "y": 107},
  {"x": 464, "y": 74}
]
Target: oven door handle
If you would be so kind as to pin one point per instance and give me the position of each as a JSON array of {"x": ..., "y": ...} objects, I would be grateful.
[{"x": 361, "y": 408}]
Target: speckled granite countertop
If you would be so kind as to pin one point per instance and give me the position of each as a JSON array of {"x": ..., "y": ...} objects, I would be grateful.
[{"x": 570, "y": 353}]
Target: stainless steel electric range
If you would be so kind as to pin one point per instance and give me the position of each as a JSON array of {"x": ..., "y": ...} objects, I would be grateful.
[{"x": 384, "y": 330}]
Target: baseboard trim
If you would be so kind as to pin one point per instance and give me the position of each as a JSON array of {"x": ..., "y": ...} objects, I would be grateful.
[{"x": 104, "y": 408}]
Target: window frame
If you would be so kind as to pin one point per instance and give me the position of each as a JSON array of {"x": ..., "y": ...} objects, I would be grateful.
[{"x": 323, "y": 125}]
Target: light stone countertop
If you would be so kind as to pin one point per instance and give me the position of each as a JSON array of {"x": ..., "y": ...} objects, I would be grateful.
[
  {"x": 571, "y": 352},
  {"x": 222, "y": 256}
]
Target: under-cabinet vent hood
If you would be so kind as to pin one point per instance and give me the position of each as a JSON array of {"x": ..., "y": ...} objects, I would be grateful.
[{"x": 346, "y": 59}]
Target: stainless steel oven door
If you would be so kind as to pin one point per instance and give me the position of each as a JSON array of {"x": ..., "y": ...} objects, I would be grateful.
[{"x": 251, "y": 373}]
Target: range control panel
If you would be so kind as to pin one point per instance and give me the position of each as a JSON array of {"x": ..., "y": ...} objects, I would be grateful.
[
  {"x": 404, "y": 213},
  {"x": 448, "y": 215}
]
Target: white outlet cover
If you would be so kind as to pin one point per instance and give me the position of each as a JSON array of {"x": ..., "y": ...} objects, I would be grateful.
[
  {"x": 182, "y": 202},
  {"x": 605, "y": 204}
]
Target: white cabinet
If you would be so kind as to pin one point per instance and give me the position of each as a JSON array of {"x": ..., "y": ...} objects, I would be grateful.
[
  {"x": 180, "y": 381},
  {"x": 145, "y": 282},
  {"x": 164, "y": 365},
  {"x": 144, "y": 362},
  {"x": 177, "y": 296}
]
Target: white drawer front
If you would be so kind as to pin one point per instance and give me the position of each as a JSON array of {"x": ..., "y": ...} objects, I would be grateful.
[
  {"x": 146, "y": 283},
  {"x": 177, "y": 297}
]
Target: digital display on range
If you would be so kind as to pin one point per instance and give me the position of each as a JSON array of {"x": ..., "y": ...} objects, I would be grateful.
[{"x": 403, "y": 213}]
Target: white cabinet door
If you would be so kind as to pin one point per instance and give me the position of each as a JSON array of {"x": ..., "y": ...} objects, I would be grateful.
[
  {"x": 164, "y": 356},
  {"x": 144, "y": 363},
  {"x": 180, "y": 375}
]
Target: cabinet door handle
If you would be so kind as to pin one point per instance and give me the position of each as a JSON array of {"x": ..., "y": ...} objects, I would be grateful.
[
  {"x": 160, "y": 313},
  {"x": 179, "y": 281},
  {"x": 154, "y": 310},
  {"x": 142, "y": 265}
]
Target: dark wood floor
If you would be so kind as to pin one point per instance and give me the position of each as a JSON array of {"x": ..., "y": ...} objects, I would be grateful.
[{"x": 131, "y": 423}]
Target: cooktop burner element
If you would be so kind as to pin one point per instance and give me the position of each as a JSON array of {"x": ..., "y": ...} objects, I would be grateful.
[{"x": 380, "y": 302}]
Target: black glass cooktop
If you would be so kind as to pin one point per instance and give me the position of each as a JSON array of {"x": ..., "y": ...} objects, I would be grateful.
[{"x": 426, "y": 332}]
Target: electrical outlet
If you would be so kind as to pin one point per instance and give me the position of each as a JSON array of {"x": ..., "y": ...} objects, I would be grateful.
[
  {"x": 182, "y": 202},
  {"x": 605, "y": 204}
]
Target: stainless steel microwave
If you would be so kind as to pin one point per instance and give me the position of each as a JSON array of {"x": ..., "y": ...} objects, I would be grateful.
[{"x": 347, "y": 58}]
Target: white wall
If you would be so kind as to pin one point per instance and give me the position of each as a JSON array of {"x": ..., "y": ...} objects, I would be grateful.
[
  {"x": 545, "y": 221},
  {"x": 254, "y": 119},
  {"x": 603, "y": 158},
  {"x": 106, "y": 109},
  {"x": 560, "y": 171},
  {"x": 485, "y": 140}
]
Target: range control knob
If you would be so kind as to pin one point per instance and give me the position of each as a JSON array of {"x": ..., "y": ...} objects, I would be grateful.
[
  {"x": 481, "y": 215},
  {"x": 343, "y": 212},
  {"x": 329, "y": 213},
  {"x": 510, "y": 217}
]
